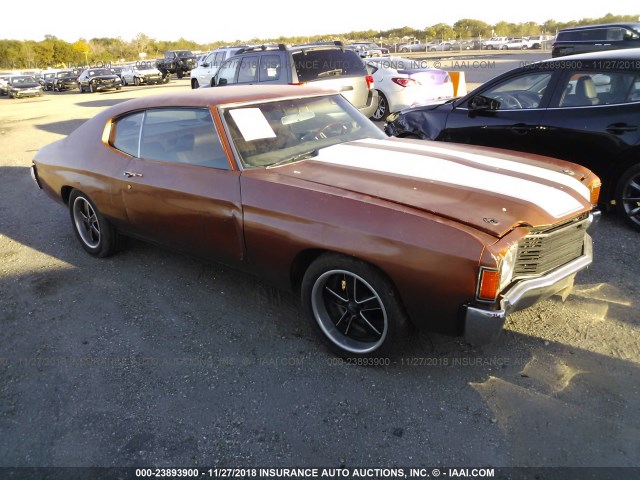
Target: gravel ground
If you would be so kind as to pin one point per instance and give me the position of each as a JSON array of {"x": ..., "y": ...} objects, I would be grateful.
[{"x": 150, "y": 358}]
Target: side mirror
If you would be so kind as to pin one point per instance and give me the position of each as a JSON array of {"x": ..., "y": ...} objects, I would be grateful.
[
  {"x": 221, "y": 82},
  {"x": 483, "y": 104},
  {"x": 205, "y": 65}
]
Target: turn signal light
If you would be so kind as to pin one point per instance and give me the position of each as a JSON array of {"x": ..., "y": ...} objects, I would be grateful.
[
  {"x": 594, "y": 189},
  {"x": 489, "y": 284}
]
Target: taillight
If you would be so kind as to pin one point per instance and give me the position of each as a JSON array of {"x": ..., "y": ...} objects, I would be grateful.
[
  {"x": 404, "y": 82},
  {"x": 369, "y": 79}
]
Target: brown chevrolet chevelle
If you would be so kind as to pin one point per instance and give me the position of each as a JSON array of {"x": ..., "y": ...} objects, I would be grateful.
[{"x": 295, "y": 185}]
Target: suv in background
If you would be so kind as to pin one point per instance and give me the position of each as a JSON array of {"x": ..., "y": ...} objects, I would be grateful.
[
  {"x": 176, "y": 61},
  {"x": 329, "y": 65},
  {"x": 591, "y": 38},
  {"x": 202, "y": 75}
]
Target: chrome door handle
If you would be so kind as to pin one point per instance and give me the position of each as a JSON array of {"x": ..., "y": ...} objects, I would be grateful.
[{"x": 131, "y": 174}]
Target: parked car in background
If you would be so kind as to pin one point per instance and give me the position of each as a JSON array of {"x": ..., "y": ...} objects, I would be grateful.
[
  {"x": 202, "y": 75},
  {"x": 63, "y": 80},
  {"x": 541, "y": 41},
  {"x": 47, "y": 77},
  {"x": 98, "y": 80},
  {"x": 591, "y": 38},
  {"x": 438, "y": 46},
  {"x": 517, "y": 44},
  {"x": 141, "y": 73},
  {"x": 23, "y": 86},
  {"x": 4, "y": 82},
  {"x": 412, "y": 47},
  {"x": 329, "y": 65},
  {"x": 585, "y": 109},
  {"x": 403, "y": 82},
  {"x": 458, "y": 45},
  {"x": 294, "y": 185},
  {"x": 179, "y": 62},
  {"x": 369, "y": 49},
  {"x": 495, "y": 43}
]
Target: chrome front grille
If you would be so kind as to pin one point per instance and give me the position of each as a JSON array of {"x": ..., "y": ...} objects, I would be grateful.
[{"x": 543, "y": 251}]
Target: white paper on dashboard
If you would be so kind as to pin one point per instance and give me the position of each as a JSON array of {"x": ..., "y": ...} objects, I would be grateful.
[{"x": 252, "y": 124}]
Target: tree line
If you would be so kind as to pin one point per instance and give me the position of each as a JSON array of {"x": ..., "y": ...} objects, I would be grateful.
[{"x": 57, "y": 53}]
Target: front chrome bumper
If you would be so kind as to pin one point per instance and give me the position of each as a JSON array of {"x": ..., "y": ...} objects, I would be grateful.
[{"x": 483, "y": 325}]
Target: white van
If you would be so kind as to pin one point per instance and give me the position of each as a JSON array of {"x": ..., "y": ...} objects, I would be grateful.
[{"x": 201, "y": 75}]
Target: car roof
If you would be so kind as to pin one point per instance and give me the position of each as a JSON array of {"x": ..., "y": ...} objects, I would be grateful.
[
  {"x": 206, "y": 97},
  {"x": 620, "y": 54},
  {"x": 602, "y": 25}
]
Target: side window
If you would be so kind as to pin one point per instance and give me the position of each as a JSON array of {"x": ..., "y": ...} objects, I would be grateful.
[
  {"x": 210, "y": 60},
  {"x": 522, "y": 92},
  {"x": 182, "y": 135},
  {"x": 227, "y": 73},
  {"x": 614, "y": 34},
  {"x": 125, "y": 133},
  {"x": 597, "y": 88},
  {"x": 248, "y": 70},
  {"x": 628, "y": 35},
  {"x": 270, "y": 67}
]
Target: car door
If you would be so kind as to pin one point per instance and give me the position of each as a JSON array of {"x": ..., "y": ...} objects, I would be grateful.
[
  {"x": 179, "y": 188},
  {"x": 512, "y": 112},
  {"x": 593, "y": 119},
  {"x": 228, "y": 72}
]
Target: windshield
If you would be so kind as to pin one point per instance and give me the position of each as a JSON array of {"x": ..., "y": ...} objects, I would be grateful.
[
  {"x": 24, "y": 79},
  {"x": 100, "y": 71},
  {"x": 277, "y": 132}
]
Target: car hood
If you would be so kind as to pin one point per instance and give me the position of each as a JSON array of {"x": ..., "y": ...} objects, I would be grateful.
[
  {"x": 492, "y": 190},
  {"x": 104, "y": 77},
  {"x": 149, "y": 71}
]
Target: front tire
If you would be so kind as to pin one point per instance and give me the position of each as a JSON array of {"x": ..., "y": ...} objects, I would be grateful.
[
  {"x": 136, "y": 81},
  {"x": 194, "y": 84},
  {"x": 94, "y": 232},
  {"x": 628, "y": 196},
  {"x": 353, "y": 305}
]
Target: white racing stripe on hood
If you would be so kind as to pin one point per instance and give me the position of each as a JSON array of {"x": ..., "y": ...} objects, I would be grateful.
[
  {"x": 503, "y": 164},
  {"x": 556, "y": 202}
]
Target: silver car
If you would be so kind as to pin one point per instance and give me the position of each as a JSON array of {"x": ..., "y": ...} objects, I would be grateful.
[{"x": 141, "y": 73}]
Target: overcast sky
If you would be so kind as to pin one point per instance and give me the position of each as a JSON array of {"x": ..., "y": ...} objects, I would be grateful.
[{"x": 209, "y": 21}]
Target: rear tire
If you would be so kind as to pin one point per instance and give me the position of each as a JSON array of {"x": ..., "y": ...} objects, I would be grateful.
[
  {"x": 94, "y": 232},
  {"x": 382, "y": 111},
  {"x": 195, "y": 84}
]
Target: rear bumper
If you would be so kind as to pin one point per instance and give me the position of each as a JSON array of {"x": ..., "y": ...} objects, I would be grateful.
[{"x": 484, "y": 325}]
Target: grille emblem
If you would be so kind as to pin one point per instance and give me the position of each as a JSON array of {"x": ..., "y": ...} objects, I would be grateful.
[{"x": 491, "y": 221}]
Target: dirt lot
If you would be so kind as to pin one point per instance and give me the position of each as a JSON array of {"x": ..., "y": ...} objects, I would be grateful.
[{"x": 150, "y": 358}]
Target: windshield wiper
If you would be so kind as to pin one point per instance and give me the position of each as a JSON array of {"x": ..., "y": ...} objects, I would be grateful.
[{"x": 295, "y": 158}]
